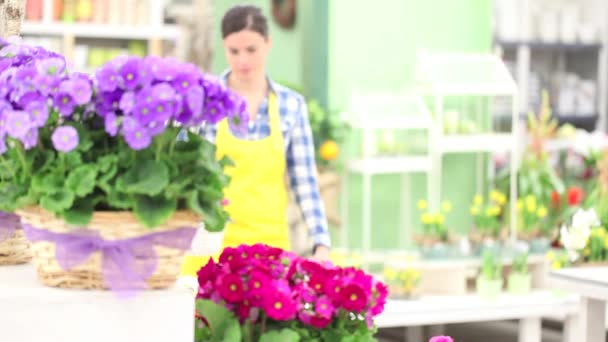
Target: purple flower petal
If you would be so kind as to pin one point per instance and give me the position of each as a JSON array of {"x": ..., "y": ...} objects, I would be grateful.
[
  {"x": 17, "y": 123},
  {"x": 79, "y": 89},
  {"x": 156, "y": 127},
  {"x": 2, "y": 145},
  {"x": 127, "y": 102},
  {"x": 195, "y": 98},
  {"x": 51, "y": 65},
  {"x": 39, "y": 113},
  {"x": 138, "y": 138},
  {"x": 65, "y": 104},
  {"x": 31, "y": 138},
  {"x": 111, "y": 124},
  {"x": 46, "y": 84},
  {"x": 214, "y": 112},
  {"x": 107, "y": 102},
  {"x": 107, "y": 78},
  {"x": 163, "y": 91},
  {"x": 65, "y": 138},
  {"x": 130, "y": 73},
  {"x": 129, "y": 124}
]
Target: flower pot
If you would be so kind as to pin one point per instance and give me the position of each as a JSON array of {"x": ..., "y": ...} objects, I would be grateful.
[
  {"x": 14, "y": 247},
  {"x": 540, "y": 245},
  {"x": 519, "y": 283},
  {"x": 114, "y": 252},
  {"x": 492, "y": 246},
  {"x": 489, "y": 288},
  {"x": 436, "y": 251}
]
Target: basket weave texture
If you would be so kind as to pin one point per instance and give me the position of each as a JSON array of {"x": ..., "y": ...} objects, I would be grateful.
[
  {"x": 111, "y": 226},
  {"x": 16, "y": 249}
]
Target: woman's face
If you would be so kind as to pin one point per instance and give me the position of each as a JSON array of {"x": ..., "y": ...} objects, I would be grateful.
[{"x": 246, "y": 53}]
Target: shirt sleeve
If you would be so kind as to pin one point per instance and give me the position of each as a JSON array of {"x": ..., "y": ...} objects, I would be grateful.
[{"x": 302, "y": 171}]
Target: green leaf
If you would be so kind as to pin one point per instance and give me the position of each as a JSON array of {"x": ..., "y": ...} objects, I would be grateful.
[
  {"x": 285, "y": 335},
  {"x": 80, "y": 213},
  {"x": 47, "y": 183},
  {"x": 214, "y": 215},
  {"x": 106, "y": 163},
  {"x": 72, "y": 160},
  {"x": 226, "y": 161},
  {"x": 223, "y": 323},
  {"x": 154, "y": 211},
  {"x": 57, "y": 202},
  {"x": 81, "y": 180},
  {"x": 149, "y": 177},
  {"x": 120, "y": 200}
]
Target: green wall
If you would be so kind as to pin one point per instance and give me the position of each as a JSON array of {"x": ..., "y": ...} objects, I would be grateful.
[{"x": 374, "y": 47}]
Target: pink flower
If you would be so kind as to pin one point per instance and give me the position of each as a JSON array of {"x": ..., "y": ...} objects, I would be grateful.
[
  {"x": 280, "y": 307},
  {"x": 231, "y": 287},
  {"x": 318, "y": 279},
  {"x": 324, "y": 307},
  {"x": 441, "y": 339},
  {"x": 243, "y": 311},
  {"x": 354, "y": 298},
  {"x": 225, "y": 202},
  {"x": 314, "y": 320},
  {"x": 333, "y": 288},
  {"x": 207, "y": 273},
  {"x": 381, "y": 292}
]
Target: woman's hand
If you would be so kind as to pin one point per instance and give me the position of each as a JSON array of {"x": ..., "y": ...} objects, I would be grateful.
[{"x": 321, "y": 254}]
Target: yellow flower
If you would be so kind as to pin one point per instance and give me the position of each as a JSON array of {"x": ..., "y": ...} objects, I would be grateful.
[
  {"x": 478, "y": 200},
  {"x": 494, "y": 211},
  {"x": 390, "y": 273},
  {"x": 495, "y": 195},
  {"x": 606, "y": 243},
  {"x": 474, "y": 210},
  {"x": 550, "y": 255},
  {"x": 446, "y": 206},
  {"x": 489, "y": 212},
  {"x": 556, "y": 265},
  {"x": 422, "y": 205},
  {"x": 502, "y": 200},
  {"x": 531, "y": 203},
  {"x": 440, "y": 219},
  {"x": 427, "y": 218},
  {"x": 542, "y": 212},
  {"x": 520, "y": 204}
]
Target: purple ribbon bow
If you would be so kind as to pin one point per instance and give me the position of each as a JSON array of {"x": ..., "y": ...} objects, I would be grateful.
[
  {"x": 125, "y": 265},
  {"x": 8, "y": 224}
]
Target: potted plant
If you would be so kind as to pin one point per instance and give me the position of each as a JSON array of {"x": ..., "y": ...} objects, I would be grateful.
[
  {"x": 534, "y": 224},
  {"x": 435, "y": 237},
  {"x": 520, "y": 280},
  {"x": 403, "y": 282},
  {"x": 489, "y": 281},
  {"x": 261, "y": 293},
  {"x": 107, "y": 194},
  {"x": 489, "y": 229}
]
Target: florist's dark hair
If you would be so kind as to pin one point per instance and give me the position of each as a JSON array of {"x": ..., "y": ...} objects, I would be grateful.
[{"x": 244, "y": 17}]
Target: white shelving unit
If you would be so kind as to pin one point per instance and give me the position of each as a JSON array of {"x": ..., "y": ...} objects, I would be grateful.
[
  {"x": 528, "y": 29},
  {"x": 154, "y": 32},
  {"x": 369, "y": 113},
  {"x": 460, "y": 75}
]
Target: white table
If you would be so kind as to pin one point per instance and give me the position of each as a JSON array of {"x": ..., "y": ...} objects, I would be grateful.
[
  {"x": 438, "y": 310},
  {"x": 31, "y": 312},
  {"x": 591, "y": 283}
]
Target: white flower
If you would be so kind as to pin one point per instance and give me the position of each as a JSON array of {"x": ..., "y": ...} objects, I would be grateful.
[
  {"x": 575, "y": 238},
  {"x": 585, "y": 219}
]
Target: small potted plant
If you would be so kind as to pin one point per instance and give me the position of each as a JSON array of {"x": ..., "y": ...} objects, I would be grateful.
[
  {"x": 487, "y": 218},
  {"x": 261, "y": 293},
  {"x": 534, "y": 225},
  {"x": 520, "y": 281},
  {"x": 489, "y": 281},
  {"x": 402, "y": 283},
  {"x": 435, "y": 236}
]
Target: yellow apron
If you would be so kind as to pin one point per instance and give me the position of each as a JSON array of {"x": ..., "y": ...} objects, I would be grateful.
[{"x": 257, "y": 194}]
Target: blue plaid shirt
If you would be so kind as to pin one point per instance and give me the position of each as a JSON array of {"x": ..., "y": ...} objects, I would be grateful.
[{"x": 299, "y": 152}]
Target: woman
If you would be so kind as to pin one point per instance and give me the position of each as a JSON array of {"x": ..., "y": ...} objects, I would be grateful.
[{"x": 278, "y": 141}]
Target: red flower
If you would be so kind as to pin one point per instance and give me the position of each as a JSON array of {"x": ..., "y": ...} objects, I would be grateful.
[
  {"x": 556, "y": 199},
  {"x": 317, "y": 280},
  {"x": 354, "y": 298},
  {"x": 231, "y": 288},
  {"x": 575, "y": 196},
  {"x": 333, "y": 289}
]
